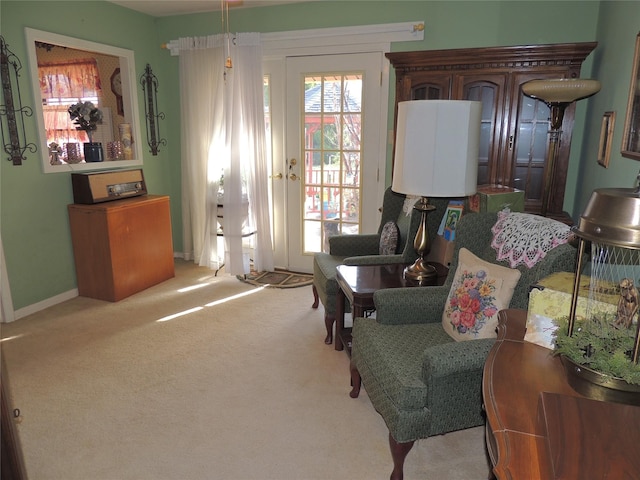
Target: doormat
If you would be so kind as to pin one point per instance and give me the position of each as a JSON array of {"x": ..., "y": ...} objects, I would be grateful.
[{"x": 277, "y": 279}]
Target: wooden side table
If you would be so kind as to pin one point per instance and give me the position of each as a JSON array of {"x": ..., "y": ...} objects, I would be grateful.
[
  {"x": 358, "y": 283},
  {"x": 539, "y": 427}
]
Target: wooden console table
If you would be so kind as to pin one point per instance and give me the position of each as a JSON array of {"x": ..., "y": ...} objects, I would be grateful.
[
  {"x": 539, "y": 427},
  {"x": 121, "y": 247}
]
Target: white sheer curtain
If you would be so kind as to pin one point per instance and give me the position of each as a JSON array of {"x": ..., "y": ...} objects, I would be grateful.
[{"x": 223, "y": 133}]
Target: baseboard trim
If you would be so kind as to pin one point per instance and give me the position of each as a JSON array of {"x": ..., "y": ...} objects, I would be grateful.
[
  {"x": 62, "y": 297},
  {"x": 49, "y": 302}
]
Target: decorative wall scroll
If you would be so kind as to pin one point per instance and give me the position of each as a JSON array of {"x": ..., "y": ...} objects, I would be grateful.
[
  {"x": 149, "y": 84},
  {"x": 12, "y": 112}
]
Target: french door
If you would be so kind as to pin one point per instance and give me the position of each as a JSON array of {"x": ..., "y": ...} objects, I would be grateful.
[{"x": 328, "y": 155}]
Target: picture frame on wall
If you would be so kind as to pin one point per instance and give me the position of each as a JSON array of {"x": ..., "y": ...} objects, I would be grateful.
[
  {"x": 606, "y": 136},
  {"x": 631, "y": 133}
]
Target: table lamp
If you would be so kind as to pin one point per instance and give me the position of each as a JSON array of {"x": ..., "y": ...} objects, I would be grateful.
[{"x": 436, "y": 155}]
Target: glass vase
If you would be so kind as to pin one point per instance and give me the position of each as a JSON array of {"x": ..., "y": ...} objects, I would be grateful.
[{"x": 93, "y": 152}]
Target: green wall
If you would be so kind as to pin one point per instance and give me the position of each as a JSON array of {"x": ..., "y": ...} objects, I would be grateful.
[
  {"x": 619, "y": 23},
  {"x": 33, "y": 205},
  {"x": 33, "y": 214}
]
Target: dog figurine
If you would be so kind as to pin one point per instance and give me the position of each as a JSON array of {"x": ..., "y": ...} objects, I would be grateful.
[{"x": 627, "y": 303}]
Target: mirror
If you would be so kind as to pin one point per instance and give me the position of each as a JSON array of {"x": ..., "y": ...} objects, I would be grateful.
[
  {"x": 68, "y": 71},
  {"x": 631, "y": 134}
]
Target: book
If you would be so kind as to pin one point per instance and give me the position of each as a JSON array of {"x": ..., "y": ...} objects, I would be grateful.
[{"x": 450, "y": 219}]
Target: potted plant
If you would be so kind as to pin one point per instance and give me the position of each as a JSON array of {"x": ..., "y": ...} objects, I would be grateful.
[
  {"x": 86, "y": 116},
  {"x": 599, "y": 345}
]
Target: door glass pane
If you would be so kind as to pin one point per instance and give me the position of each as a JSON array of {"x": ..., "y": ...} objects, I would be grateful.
[
  {"x": 533, "y": 128},
  {"x": 485, "y": 94},
  {"x": 427, "y": 92},
  {"x": 333, "y": 120}
]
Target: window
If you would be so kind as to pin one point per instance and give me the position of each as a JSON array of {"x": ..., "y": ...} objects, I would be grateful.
[{"x": 61, "y": 85}]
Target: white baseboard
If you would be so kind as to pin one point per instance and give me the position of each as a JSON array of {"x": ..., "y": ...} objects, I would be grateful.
[
  {"x": 49, "y": 302},
  {"x": 62, "y": 297}
]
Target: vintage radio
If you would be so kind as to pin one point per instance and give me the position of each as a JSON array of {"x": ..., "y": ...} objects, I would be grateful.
[{"x": 96, "y": 187}]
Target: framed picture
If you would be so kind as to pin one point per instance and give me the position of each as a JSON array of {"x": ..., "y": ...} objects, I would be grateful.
[
  {"x": 631, "y": 134},
  {"x": 606, "y": 135}
]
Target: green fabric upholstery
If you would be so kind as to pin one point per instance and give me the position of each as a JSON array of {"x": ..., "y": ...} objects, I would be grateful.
[
  {"x": 418, "y": 378},
  {"x": 364, "y": 248}
]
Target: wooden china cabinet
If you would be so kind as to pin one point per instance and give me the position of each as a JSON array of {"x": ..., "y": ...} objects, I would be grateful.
[{"x": 514, "y": 132}]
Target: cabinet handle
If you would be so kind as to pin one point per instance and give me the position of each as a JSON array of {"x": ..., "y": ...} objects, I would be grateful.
[{"x": 511, "y": 143}]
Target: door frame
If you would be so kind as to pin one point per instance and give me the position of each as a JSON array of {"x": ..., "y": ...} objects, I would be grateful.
[
  {"x": 326, "y": 41},
  {"x": 6, "y": 303},
  {"x": 372, "y": 161},
  {"x": 279, "y": 141}
]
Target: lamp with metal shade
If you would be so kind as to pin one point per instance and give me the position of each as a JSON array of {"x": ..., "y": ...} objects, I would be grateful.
[
  {"x": 436, "y": 155},
  {"x": 557, "y": 94}
]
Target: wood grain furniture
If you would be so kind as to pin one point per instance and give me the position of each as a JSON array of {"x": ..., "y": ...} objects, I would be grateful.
[
  {"x": 539, "y": 427},
  {"x": 121, "y": 247},
  {"x": 514, "y": 131},
  {"x": 358, "y": 283}
]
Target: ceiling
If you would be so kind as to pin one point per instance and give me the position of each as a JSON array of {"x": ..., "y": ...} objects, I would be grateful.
[{"x": 165, "y": 8}]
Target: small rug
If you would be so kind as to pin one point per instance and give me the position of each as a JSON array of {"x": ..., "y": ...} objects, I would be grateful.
[{"x": 277, "y": 279}]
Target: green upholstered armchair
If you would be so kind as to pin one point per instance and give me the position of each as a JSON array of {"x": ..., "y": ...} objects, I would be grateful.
[
  {"x": 420, "y": 380},
  {"x": 364, "y": 249}
]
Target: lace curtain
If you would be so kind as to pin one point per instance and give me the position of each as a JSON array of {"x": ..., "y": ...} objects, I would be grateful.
[
  {"x": 223, "y": 137},
  {"x": 62, "y": 84}
]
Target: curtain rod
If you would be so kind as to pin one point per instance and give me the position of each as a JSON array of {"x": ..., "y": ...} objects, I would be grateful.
[{"x": 391, "y": 32}]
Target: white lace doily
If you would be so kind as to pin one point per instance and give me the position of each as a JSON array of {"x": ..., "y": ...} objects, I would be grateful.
[
  {"x": 526, "y": 238},
  {"x": 409, "y": 202}
]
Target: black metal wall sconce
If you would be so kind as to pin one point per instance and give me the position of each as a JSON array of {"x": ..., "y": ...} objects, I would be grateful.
[
  {"x": 12, "y": 112},
  {"x": 149, "y": 84}
]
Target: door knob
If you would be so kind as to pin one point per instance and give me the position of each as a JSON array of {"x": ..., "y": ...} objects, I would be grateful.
[
  {"x": 293, "y": 177},
  {"x": 278, "y": 176}
]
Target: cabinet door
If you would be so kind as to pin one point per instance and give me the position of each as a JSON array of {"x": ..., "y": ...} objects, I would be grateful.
[
  {"x": 527, "y": 159},
  {"x": 489, "y": 90}
]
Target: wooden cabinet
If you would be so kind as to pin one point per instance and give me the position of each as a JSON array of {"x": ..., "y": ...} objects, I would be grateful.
[
  {"x": 514, "y": 131},
  {"x": 121, "y": 247}
]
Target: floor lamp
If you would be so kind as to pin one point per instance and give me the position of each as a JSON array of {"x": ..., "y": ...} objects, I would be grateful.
[
  {"x": 436, "y": 155},
  {"x": 558, "y": 94}
]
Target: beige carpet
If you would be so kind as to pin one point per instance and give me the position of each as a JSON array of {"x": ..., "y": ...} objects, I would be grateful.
[{"x": 202, "y": 377}]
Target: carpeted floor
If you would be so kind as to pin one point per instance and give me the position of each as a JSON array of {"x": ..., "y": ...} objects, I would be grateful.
[
  {"x": 277, "y": 279},
  {"x": 202, "y": 378}
]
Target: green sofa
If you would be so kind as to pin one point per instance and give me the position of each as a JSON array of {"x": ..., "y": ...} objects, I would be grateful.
[
  {"x": 364, "y": 249},
  {"x": 420, "y": 380}
]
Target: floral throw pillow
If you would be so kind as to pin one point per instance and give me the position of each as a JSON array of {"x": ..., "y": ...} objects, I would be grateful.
[
  {"x": 389, "y": 239},
  {"x": 479, "y": 290}
]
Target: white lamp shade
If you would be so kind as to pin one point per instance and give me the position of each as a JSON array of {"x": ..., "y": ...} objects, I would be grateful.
[{"x": 437, "y": 145}]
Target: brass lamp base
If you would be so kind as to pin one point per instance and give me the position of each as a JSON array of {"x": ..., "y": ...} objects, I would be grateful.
[{"x": 420, "y": 272}]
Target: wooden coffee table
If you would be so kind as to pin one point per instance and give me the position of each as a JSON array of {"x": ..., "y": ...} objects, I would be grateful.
[{"x": 358, "y": 283}]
